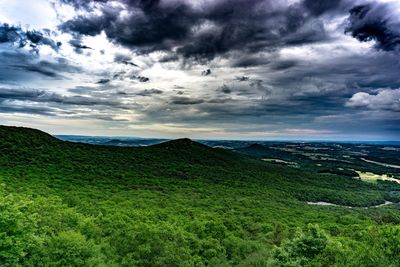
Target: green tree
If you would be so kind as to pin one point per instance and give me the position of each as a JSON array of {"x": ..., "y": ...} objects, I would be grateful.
[{"x": 304, "y": 247}]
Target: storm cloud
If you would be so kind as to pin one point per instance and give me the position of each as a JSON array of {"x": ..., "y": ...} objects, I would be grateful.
[
  {"x": 375, "y": 22},
  {"x": 180, "y": 100},
  {"x": 33, "y": 38},
  {"x": 205, "y": 30}
]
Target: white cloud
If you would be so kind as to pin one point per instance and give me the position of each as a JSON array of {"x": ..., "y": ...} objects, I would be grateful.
[{"x": 385, "y": 99}]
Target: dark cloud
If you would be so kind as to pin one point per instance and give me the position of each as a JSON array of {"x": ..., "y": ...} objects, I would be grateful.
[
  {"x": 54, "y": 100},
  {"x": 149, "y": 92},
  {"x": 103, "y": 81},
  {"x": 22, "y": 38},
  {"x": 119, "y": 75},
  {"x": 78, "y": 100},
  {"x": 17, "y": 65},
  {"x": 124, "y": 59},
  {"x": 127, "y": 75},
  {"x": 375, "y": 22},
  {"x": 320, "y": 7},
  {"x": 78, "y": 4},
  {"x": 256, "y": 83},
  {"x": 180, "y": 100},
  {"x": 39, "y": 68},
  {"x": 202, "y": 32},
  {"x": 250, "y": 61},
  {"x": 225, "y": 89},
  {"x": 118, "y": 58},
  {"x": 206, "y": 72},
  {"x": 41, "y": 38},
  {"x": 310, "y": 32},
  {"x": 49, "y": 69},
  {"x": 90, "y": 24},
  {"x": 283, "y": 64},
  {"x": 141, "y": 79},
  {"x": 78, "y": 46},
  {"x": 242, "y": 78},
  {"x": 169, "y": 58},
  {"x": 130, "y": 63},
  {"x": 12, "y": 34},
  {"x": 9, "y": 107},
  {"x": 6, "y": 93},
  {"x": 152, "y": 24}
]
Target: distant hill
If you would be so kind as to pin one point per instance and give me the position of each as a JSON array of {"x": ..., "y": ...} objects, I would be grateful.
[
  {"x": 191, "y": 151},
  {"x": 264, "y": 151}
]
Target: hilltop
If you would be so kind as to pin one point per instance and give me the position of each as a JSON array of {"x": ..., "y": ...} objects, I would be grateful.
[
  {"x": 21, "y": 136},
  {"x": 181, "y": 203}
]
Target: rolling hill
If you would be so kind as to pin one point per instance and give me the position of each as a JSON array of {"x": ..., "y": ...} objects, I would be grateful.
[{"x": 182, "y": 203}]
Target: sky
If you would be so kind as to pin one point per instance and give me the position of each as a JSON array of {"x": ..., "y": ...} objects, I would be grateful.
[{"x": 211, "y": 69}]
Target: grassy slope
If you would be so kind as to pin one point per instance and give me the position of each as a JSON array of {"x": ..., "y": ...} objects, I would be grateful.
[{"x": 176, "y": 203}]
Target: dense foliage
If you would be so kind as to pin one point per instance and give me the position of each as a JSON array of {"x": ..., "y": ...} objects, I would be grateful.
[{"x": 181, "y": 203}]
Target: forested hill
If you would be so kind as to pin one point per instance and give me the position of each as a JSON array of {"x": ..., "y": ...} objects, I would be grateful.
[
  {"x": 181, "y": 203},
  {"x": 29, "y": 146},
  {"x": 25, "y": 137}
]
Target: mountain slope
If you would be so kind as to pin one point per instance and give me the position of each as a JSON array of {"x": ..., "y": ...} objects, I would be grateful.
[{"x": 21, "y": 136}]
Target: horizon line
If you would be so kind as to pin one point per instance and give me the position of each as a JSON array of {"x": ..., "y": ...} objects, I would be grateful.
[{"x": 243, "y": 140}]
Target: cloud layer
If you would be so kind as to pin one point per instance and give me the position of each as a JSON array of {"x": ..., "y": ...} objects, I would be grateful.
[
  {"x": 204, "y": 30},
  {"x": 298, "y": 67}
]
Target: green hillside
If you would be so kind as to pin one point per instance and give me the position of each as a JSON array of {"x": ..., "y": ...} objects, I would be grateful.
[{"x": 181, "y": 203}]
